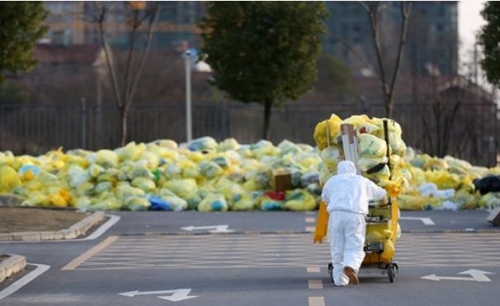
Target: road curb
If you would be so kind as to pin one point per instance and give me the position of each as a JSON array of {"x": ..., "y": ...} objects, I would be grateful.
[
  {"x": 11, "y": 266},
  {"x": 73, "y": 232},
  {"x": 16, "y": 263}
]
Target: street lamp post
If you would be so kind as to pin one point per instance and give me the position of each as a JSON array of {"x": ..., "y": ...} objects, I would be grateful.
[{"x": 189, "y": 132}]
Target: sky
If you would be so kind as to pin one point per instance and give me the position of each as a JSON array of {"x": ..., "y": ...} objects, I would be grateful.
[{"x": 469, "y": 21}]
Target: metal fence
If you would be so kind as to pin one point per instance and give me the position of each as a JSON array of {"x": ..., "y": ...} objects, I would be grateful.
[{"x": 34, "y": 129}]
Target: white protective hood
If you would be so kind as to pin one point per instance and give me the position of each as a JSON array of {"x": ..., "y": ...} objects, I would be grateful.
[{"x": 346, "y": 167}]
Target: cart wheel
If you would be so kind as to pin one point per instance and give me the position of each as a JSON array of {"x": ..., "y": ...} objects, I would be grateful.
[
  {"x": 330, "y": 271},
  {"x": 391, "y": 273}
]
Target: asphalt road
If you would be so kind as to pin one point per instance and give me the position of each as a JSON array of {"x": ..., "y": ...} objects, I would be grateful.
[{"x": 254, "y": 258}]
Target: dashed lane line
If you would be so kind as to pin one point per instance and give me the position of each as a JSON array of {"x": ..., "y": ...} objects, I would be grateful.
[
  {"x": 315, "y": 283},
  {"x": 310, "y": 219},
  {"x": 310, "y": 229},
  {"x": 313, "y": 270},
  {"x": 316, "y": 301}
]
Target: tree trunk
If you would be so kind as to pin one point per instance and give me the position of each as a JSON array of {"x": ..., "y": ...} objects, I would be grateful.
[
  {"x": 124, "y": 116},
  {"x": 389, "y": 106},
  {"x": 267, "y": 118},
  {"x": 387, "y": 88},
  {"x": 124, "y": 97}
]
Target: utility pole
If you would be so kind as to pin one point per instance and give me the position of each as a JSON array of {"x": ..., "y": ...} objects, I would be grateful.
[{"x": 189, "y": 132}]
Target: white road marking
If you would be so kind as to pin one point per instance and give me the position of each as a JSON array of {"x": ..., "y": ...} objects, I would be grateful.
[
  {"x": 315, "y": 283},
  {"x": 24, "y": 281},
  {"x": 310, "y": 229},
  {"x": 102, "y": 229},
  {"x": 316, "y": 301},
  {"x": 310, "y": 219},
  {"x": 426, "y": 221},
  {"x": 476, "y": 276},
  {"x": 177, "y": 295},
  {"x": 211, "y": 228}
]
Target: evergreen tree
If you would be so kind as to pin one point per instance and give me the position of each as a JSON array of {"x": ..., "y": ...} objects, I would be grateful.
[
  {"x": 264, "y": 52},
  {"x": 489, "y": 38},
  {"x": 20, "y": 28}
]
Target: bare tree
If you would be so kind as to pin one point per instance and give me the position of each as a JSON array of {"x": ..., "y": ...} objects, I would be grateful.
[
  {"x": 442, "y": 106},
  {"x": 374, "y": 10},
  {"x": 142, "y": 19}
]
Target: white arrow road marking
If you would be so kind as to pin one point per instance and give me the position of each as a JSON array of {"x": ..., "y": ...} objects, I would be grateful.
[
  {"x": 212, "y": 228},
  {"x": 24, "y": 281},
  {"x": 177, "y": 295},
  {"x": 477, "y": 276},
  {"x": 426, "y": 221}
]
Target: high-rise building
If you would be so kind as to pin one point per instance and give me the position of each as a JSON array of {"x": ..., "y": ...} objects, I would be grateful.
[
  {"x": 432, "y": 40},
  {"x": 66, "y": 22},
  {"x": 73, "y": 22},
  {"x": 431, "y": 47}
]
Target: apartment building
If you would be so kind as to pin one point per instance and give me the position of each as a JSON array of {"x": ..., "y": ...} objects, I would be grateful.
[
  {"x": 73, "y": 22},
  {"x": 432, "y": 36},
  {"x": 432, "y": 45}
]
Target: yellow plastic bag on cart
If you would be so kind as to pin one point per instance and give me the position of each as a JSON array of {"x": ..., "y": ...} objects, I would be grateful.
[{"x": 326, "y": 132}]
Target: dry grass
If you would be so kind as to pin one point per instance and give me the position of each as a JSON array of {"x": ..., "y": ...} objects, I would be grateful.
[{"x": 21, "y": 219}]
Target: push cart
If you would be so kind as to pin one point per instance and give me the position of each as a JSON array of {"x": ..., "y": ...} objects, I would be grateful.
[
  {"x": 382, "y": 227},
  {"x": 381, "y": 232}
]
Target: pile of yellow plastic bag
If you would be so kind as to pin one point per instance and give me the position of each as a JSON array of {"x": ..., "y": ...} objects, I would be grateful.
[
  {"x": 450, "y": 179},
  {"x": 203, "y": 174},
  {"x": 207, "y": 175}
]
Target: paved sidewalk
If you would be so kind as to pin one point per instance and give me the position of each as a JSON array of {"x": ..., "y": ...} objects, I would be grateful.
[{"x": 15, "y": 263}]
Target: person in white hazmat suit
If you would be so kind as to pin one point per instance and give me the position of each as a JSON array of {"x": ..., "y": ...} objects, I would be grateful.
[{"x": 347, "y": 195}]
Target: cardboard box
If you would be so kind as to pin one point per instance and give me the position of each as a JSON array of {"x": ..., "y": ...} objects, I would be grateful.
[
  {"x": 494, "y": 217},
  {"x": 282, "y": 180}
]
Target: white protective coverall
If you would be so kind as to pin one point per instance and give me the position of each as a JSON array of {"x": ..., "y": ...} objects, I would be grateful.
[{"x": 347, "y": 195}]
